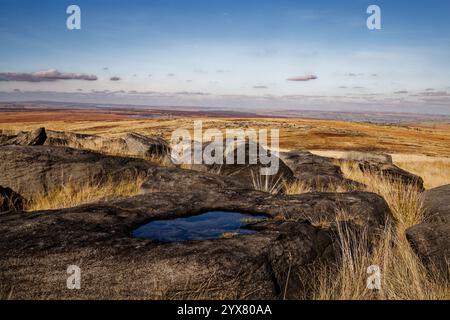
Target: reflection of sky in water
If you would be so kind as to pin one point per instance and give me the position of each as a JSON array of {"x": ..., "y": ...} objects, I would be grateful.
[{"x": 210, "y": 225}]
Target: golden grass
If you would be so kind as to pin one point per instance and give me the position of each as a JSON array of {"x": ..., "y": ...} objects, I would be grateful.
[
  {"x": 112, "y": 149},
  {"x": 309, "y": 134},
  {"x": 403, "y": 275},
  {"x": 404, "y": 200},
  {"x": 74, "y": 194},
  {"x": 300, "y": 187},
  {"x": 434, "y": 170},
  {"x": 434, "y": 173}
]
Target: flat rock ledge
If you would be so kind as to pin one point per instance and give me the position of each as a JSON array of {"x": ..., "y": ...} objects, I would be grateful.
[{"x": 273, "y": 263}]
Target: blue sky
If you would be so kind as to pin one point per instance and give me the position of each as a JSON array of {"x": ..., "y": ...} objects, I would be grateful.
[{"x": 232, "y": 53}]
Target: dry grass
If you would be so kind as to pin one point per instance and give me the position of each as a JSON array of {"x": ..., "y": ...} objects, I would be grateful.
[
  {"x": 111, "y": 149},
  {"x": 405, "y": 201},
  {"x": 267, "y": 183},
  {"x": 403, "y": 275},
  {"x": 434, "y": 170},
  {"x": 74, "y": 194},
  {"x": 309, "y": 134},
  {"x": 300, "y": 187},
  {"x": 434, "y": 173}
]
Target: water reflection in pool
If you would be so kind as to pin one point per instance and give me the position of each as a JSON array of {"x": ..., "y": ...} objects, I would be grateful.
[{"x": 210, "y": 225}]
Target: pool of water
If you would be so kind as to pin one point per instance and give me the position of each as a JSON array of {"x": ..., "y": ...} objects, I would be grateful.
[{"x": 206, "y": 226}]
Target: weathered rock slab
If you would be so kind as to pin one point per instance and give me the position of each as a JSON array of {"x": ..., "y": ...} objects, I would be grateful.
[
  {"x": 249, "y": 169},
  {"x": 36, "y": 170},
  {"x": 132, "y": 144},
  {"x": 97, "y": 237},
  {"x": 315, "y": 171},
  {"x": 35, "y": 137}
]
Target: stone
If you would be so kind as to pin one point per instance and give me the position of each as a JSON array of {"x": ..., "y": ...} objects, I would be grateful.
[
  {"x": 97, "y": 238},
  {"x": 132, "y": 144},
  {"x": 35, "y": 137},
  {"x": 146, "y": 146},
  {"x": 431, "y": 239},
  {"x": 33, "y": 171},
  {"x": 248, "y": 173},
  {"x": 315, "y": 171},
  {"x": 392, "y": 172},
  {"x": 161, "y": 179}
]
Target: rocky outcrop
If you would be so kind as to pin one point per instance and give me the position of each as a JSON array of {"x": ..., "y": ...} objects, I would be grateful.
[
  {"x": 146, "y": 146},
  {"x": 35, "y": 170},
  {"x": 10, "y": 200},
  {"x": 392, "y": 172},
  {"x": 250, "y": 171},
  {"x": 96, "y": 237},
  {"x": 73, "y": 140},
  {"x": 381, "y": 165},
  {"x": 161, "y": 179},
  {"x": 431, "y": 239},
  {"x": 315, "y": 171},
  {"x": 35, "y": 137},
  {"x": 132, "y": 144}
]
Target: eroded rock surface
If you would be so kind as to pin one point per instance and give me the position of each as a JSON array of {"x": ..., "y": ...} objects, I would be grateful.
[
  {"x": 132, "y": 144},
  {"x": 161, "y": 179},
  {"x": 35, "y": 137},
  {"x": 392, "y": 172},
  {"x": 315, "y": 171},
  {"x": 431, "y": 239},
  {"x": 97, "y": 238},
  {"x": 35, "y": 170},
  {"x": 250, "y": 169}
]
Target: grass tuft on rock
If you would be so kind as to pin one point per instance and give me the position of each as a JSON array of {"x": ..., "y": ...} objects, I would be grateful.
[{"x": 74, "y": 194}]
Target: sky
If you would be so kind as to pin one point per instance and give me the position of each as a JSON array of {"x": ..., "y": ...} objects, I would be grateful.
[{"x": 241, "y": 54}]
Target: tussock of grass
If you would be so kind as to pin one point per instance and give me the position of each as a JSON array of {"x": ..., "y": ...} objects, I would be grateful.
[
  {"x": 267, "y": 183},
  {"x": 74, "y": 194},
  {"x": 403, "y": 275},
  {"x": 404, "y": 200}
]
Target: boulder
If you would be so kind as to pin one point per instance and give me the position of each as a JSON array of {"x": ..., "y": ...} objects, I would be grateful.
[
  {"x": 132, "y": 144},
  {"x": 316, "y": 172},
  {"x": 250, "y": 172},
  {"x": 10, "y": 200},
  {"x": 431, "y": 240},
  {"x": 35, "y": 137},
  {"x": 35, "y": 171},
  {"x": 146, "y": 146},
  {"x": 392, "y": 172},
  {"x": 73, "y": 140},
  {"x": 96, "y": 237}
]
